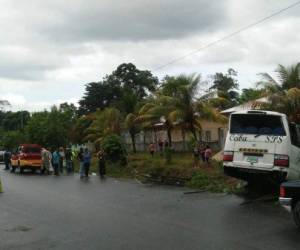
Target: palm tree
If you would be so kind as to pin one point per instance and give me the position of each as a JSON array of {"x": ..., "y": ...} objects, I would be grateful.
[
  {"x": 287, "y": 102},
  {"x": 133, "y": 127},
  {"x": 105, "y": 122},
  {"x": 176, "y": 104},
  {"x": 287, "y": 77},
  {"x": 284, "y": 92},
  {"x": 189, "y": 111},
  {"x": 157, "y": 110}
]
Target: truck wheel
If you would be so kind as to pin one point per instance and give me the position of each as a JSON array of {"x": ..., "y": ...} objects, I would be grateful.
[
  {"x": 13, "y": 169},
  {"x": 296, "y": 213}
]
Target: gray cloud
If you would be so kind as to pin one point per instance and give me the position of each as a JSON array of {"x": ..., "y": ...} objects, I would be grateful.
[
  {"x": 80, "y": 20},
  {"x": 68, "y": 43}
]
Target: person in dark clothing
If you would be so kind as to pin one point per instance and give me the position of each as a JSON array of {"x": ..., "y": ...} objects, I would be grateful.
[
  {"x": 7, "y": 157},
  {"x": 101, "y": 162},
  {"x": 161, "y": 146},
  {"x": 68, "y": 157},
  {"x": 81, "y": 163},
  {"x": 55, "y": 162},
  {"x": 61, "y": 153}
]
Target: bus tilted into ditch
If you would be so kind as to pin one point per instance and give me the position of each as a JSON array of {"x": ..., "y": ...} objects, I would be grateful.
[{"x": 262, "y": 144}]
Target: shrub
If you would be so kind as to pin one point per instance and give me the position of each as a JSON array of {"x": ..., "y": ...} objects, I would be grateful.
[
  {"x": 200, "y": 180},
  {"x": 115, "y": 149}
]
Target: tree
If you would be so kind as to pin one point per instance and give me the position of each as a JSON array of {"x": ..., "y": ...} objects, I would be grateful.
[
  {"x": 226, "y": 87},
  {"x": 79, "y": 130},
  {"x": 105, "y": 122},
  {"x": 177, "y": 104},
  {"x": 157, "y": 110},
  {"x": 122, "y": 89},
  {"x": 12, "y": 121},
  {"x": 189, "y": 111},
  {"x": 250, "y": 94},
  {"x": 114, "y": 147},
  {"x": 51, "y": 129},
  {"x": 99, "y": 95},
  {"x": 287, "y": 77},
  {"x": 10, "y": 140},
  {"x": 287, "y": 102},
  {"x": 133, "y": 127}
]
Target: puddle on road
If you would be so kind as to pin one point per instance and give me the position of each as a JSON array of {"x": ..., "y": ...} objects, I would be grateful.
[{"x": 19, "y": 229}]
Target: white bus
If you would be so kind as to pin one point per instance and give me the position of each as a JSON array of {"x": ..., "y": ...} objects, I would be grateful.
[{"x": 262, "y": 143}]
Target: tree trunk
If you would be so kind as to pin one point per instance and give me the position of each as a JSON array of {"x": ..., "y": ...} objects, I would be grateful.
[
  {"x": 194, "y": 133},
  {"x": 133, "y": 142}
]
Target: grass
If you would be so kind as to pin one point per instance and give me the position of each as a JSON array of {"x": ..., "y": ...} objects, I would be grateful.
[{"x": 179, "y": 171}]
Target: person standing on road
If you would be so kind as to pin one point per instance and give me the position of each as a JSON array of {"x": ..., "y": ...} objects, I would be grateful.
[
  {"x": 56, "y": 161},
  {"x": 61, "y": 159},
  {"x": 101, "y": 162},
  {"x": 86, "y": 162},
  {"x": 81, "y": 162},
  {"x": 7, "y": 157},
  {"x": 68, "y": 157},
  {"x": 46, "y": 161}
]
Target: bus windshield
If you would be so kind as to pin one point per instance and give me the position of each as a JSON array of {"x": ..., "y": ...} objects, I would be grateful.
[{"x": 256, "y": 124}]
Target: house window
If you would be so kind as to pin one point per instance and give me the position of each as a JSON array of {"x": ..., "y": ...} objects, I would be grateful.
[{"x": 208, "y": 136}]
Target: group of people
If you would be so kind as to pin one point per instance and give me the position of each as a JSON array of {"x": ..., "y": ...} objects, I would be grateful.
[
  {"x": 85, "y": 157},
  {"x": 161, "y": 146},
  {"x": 202, "y": 152},
  {"x": 57, "y": 161},
  {"x": 62, "y": 159}
]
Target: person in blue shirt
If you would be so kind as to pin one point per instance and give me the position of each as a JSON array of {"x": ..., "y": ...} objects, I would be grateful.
[
  {"x": 56, "y": 161},
  {"x": 87, "y": 161}
]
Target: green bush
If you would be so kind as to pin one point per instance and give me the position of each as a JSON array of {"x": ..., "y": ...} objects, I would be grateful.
[
  {"x": 114, "y": 148},
  {"x": 200, "y": 180}
]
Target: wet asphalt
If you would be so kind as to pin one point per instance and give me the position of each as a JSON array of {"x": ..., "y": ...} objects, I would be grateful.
[{"x": 47, "y": 212}]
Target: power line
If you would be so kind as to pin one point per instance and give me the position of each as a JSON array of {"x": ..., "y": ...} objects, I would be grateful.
[{"x": 262, "y": 20}]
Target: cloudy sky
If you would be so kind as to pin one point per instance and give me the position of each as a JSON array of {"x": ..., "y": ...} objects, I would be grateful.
[{"x": 49, "y": 49}]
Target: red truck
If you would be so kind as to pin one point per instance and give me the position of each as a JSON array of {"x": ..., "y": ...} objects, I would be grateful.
[{"x": 27, "y": 156}]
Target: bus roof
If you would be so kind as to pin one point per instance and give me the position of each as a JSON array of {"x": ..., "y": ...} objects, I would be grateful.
[{"x": 259, "y": 112}]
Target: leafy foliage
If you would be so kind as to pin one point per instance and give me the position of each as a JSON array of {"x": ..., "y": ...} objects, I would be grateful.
[
  {"x": 105, "y": 122},
  {"x": 250, "y": 94},
  {"x": 287, "y": 77},
  {"x": 52, "y": 128},
  {"x": 122, "y": 89},
  {"x": 226, "y": 87},
  {"x": 114, "y": 148}
]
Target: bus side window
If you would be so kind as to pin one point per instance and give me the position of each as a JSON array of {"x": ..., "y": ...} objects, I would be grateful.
[{"x": 295, "y": 134}]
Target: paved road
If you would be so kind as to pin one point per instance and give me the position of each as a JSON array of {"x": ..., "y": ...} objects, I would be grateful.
[{"x": 39, "y": 212}]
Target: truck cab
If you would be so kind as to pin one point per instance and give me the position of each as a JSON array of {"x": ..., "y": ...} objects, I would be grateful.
[{"x": 27, "y": 156}]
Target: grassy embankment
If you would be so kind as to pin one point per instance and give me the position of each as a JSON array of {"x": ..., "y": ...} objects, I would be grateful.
[{"x": 180, "y": 171}]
